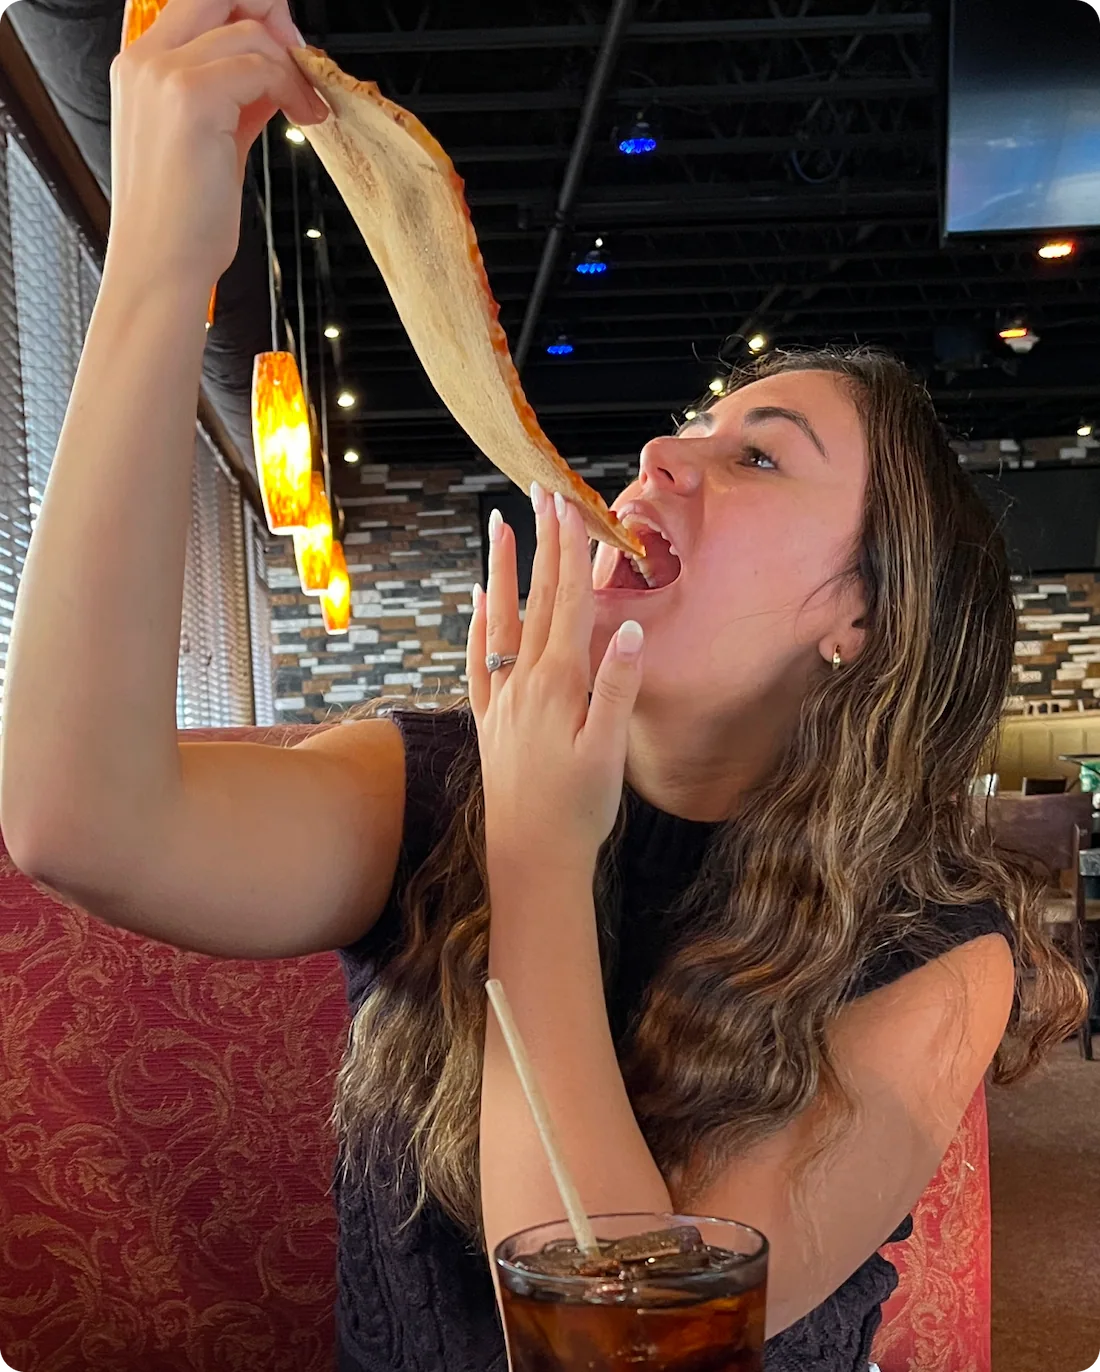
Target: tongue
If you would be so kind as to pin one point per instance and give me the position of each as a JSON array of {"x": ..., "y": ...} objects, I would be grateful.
[
  {"x": 625, "y": 578},
  {"x": 661, "y": 566}
]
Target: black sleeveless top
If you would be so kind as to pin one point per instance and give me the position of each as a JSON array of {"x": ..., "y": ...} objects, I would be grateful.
[{"x": 420, "y": 1298}]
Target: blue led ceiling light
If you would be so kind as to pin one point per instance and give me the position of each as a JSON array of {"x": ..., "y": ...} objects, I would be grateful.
[
  {"x": 561, "y": 348},
  {"x": 593, "y": 263},
  {"x": 639, "y": 140}
]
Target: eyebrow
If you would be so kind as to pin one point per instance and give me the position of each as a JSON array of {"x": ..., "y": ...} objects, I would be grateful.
[{"x": 762, "y": 413}]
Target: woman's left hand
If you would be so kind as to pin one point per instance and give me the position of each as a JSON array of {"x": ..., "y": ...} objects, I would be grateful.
[{"x": 552, "y": 760}]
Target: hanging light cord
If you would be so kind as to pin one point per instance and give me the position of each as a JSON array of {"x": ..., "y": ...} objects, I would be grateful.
[
  {"x": 321, "y": 379},
  {"x": 270, "y": 244},
  {"x": 303, "y": 351}
]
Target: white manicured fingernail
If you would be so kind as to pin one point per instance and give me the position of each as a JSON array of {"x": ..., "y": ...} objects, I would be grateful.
[
  {"x": 538, "y": 498},
  {"x": 298, "y": 35},
  {"x": 479, "y": 595},
  {"x": 559, "y": 506},
  {"x": 629, "y": 639},
  {"x": 496, "y": 523}
]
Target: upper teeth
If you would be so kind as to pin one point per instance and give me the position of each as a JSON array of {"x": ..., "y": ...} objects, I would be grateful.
[{"x": 639, "y": 521}]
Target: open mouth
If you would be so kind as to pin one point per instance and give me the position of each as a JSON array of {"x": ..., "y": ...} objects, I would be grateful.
[{"x": 659, "y": 568}]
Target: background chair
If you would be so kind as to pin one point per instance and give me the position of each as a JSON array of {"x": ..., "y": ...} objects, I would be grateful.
[
  {"x": 1052, "y": 830},
  {"x": 1044, "y": 786},
  {"x": 165, "y": 1161}
]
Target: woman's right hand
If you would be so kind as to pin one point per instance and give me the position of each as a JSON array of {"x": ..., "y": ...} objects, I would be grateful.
[{"x": 188, "y": 99}]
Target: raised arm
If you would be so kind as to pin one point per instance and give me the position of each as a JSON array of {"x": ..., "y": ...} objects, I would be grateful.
[{"x": 229, "y": 848}]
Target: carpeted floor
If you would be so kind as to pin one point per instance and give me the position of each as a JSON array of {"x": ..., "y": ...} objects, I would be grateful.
[{"x": 1045, "y": 1158}]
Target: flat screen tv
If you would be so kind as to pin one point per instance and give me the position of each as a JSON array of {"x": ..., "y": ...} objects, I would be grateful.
[
  {"x": 1049, "y": 516},
  {"x": 1023, "y": 122}
]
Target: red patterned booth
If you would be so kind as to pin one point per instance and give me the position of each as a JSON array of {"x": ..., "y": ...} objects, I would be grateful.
[{"x": 165, "y": 1161}]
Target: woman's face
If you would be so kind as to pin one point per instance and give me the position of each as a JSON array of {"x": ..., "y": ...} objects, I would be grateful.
[{"x": 762, "y": 498}]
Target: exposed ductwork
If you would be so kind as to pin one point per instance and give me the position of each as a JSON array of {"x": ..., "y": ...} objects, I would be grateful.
[{"x": 71, "y": 44}]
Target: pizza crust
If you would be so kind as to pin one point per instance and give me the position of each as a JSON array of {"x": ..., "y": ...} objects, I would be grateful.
[{"x": 407, "y": 199}]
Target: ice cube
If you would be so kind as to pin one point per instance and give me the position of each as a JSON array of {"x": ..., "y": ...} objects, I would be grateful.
[
  {"x": 666, "y": 1251},
  {"x": 562, "y": 1258},
  {"x": 658, "y": 1243}
]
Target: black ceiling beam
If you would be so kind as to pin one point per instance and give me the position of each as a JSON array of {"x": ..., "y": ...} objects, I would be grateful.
[
  {"x": 622, "y": 12},
  {"x": 725, "y": 203},
  {"x": 742, "y": 92},
  {"x": 952, "y": 252},
  {"x": 687, "y": 195},
  {"x": 674, "y": 404},
  {"x": 642, "y": 406},
  {"x": 518, "y": 37},
  {"x": 499, "y": 234},
  {"x": 703, "y": 147},
  {"x": 380, "y": 300},
  {"x": 385, "y": 362}
]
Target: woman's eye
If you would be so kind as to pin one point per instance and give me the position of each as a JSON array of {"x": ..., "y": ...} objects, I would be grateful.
[{"x": 756, "y": 457}]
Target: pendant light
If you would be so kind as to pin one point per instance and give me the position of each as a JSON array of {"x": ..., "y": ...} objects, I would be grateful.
[
  {"x": 336, "y": 598},
  {"x": 136, "y": 20},
  {"x": 280, "y": 418},
  {"x": 313, "y": 544}
]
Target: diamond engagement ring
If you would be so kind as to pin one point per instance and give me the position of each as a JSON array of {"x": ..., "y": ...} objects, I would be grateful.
[{"x": 494, "y": 660}]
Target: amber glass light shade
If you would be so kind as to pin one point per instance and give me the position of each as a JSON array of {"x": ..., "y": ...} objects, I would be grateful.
[
  {"x": 336, "y": 600},
  {"x": 313, "y": 544},
  {"x": 280, "y": 432},
  {"x": 138, "y": 17}
]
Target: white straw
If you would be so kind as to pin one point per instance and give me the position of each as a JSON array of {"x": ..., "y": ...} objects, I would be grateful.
[{"x": 582, "y": 1230}]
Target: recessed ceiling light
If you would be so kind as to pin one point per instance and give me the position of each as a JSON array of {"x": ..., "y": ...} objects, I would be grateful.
[
  {"x": 757, "y": 343},
  {"x": 295, "y": 134},
  {"x": 718, "y": 385},
  {"x": 332, "y": 331},
  {"x": 351, "y": 455},
  {"x": 345, "y": 400},
  {"x": 1058, "y": 248},
  {"x": 313, "y": 233},
  {"x": 1084, "y": 431}
]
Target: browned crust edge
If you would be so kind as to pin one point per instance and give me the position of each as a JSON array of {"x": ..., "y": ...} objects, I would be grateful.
[{"x": 321, "y": 69}]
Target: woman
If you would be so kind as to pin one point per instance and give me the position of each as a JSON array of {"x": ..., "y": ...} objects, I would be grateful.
[{"x": 760, "y": 960}]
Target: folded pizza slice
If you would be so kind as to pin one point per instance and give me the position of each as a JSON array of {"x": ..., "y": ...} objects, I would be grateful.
[{"x": 407, "y": 199}]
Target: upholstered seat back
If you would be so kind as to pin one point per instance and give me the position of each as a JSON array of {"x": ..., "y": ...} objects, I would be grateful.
[{"x": 165, "y": 1159}]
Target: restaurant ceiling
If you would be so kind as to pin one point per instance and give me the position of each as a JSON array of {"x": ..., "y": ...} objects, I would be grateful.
[{"x": 795, "y": 191}]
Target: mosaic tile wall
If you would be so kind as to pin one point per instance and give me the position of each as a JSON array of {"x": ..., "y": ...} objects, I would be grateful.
[
  {"x": 414, "y": 551},
  {"x": 413, "y": 544},
  {"x": 1058, "y": 643}
]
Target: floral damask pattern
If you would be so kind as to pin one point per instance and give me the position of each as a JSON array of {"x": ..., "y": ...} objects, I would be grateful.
[
  {"x": 165, "y": 1158},
  {"x": 938, "y": 1320},
  {"x": 165, "y": 1162}
]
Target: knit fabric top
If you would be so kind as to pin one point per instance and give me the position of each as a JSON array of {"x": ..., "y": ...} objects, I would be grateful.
[{"x": 419, "y": 1297}]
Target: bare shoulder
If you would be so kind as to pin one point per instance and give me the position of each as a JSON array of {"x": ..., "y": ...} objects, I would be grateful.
[
  {"x": 933, "y": 1033},
  {"x": 360, "y": 742}
]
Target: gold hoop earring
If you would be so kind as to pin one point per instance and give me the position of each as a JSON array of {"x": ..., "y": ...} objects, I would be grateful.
[{"x": 837, "y": 661}]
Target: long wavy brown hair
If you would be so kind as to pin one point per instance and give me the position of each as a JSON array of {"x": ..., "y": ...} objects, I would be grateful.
[{"x": 832, "y": 860}]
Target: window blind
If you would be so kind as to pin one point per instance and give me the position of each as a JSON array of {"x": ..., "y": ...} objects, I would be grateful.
[
  {"x": 214, "y": 684},
  {"x": 48, "y": 285},
  {"x": 259, "y": 617},
  {"x": 15, "y": 520}
]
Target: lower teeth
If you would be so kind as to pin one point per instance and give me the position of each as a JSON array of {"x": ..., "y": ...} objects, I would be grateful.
[{"x": 641, "y": 573}]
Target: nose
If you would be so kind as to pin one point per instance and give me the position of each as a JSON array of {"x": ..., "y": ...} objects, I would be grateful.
[{"x": 668, "y": 466}]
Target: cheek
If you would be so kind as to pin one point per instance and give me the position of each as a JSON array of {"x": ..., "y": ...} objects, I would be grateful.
[
  {"x": 758, "y": 581},
  {"x": 781, "y": 542}
]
